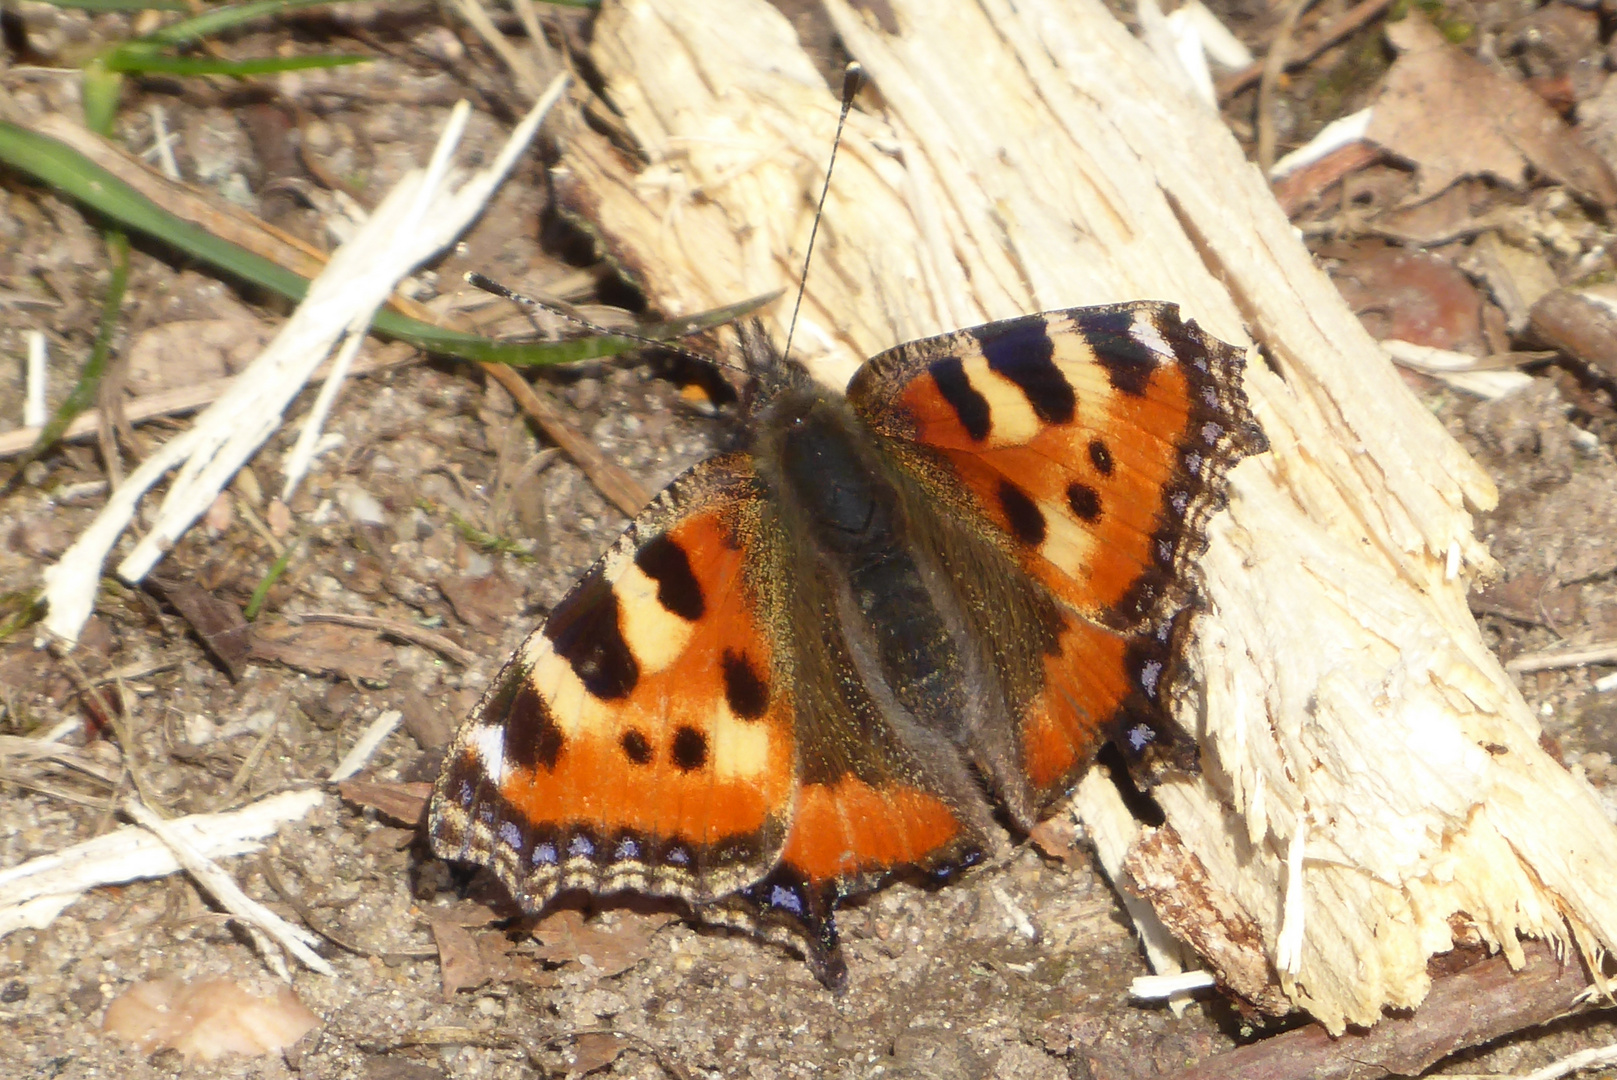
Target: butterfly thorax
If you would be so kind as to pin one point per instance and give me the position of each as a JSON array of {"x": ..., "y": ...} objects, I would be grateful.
[{"x": 855, "y": 543}]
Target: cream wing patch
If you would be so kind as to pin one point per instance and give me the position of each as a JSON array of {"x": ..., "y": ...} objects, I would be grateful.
[
  {"x": 741, "y": 748},
  {"x": 656, "y": 636},
  {"x": 1012, "y": 421},
  {"x": 1069, "y": 544},
  {"x": 573, "y": 708}
]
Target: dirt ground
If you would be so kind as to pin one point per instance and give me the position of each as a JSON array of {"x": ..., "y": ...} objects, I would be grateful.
[{"x": 438, "y": 510}]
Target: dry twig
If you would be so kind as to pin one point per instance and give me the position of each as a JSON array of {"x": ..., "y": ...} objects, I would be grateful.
[
  {"x": 1471, "y": 1007},
  {"x": 415, "y": 635},
  {"x": 1358, "y": 16}
]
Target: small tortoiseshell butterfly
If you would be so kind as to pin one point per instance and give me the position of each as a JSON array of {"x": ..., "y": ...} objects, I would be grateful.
[{"x": 823, "y": 658}]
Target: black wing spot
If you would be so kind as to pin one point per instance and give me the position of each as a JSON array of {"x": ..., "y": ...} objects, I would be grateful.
[
  {"x": 678, "y": 591},
  {"x": 969, "y": 406},
  {"x": 1024, "y": 354},
  {"x": 1129, "y": 365},
  {"x": 1022, "y": 513},
  {"x": 1101, "y": 457},
  {"x": 1085, "y": 502},
  {"x": 585, "y": 631},
  {"x": 690, "y": 749},
  {"x": 635, "y": 747},
  {"x": 532, "y": 739},
  {"x": 744, "y": 691}
]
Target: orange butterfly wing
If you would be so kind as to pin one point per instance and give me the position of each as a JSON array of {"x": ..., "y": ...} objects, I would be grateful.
[
  {"x": 636, "y": 739},
  {"x": 1095, "y": 441}
]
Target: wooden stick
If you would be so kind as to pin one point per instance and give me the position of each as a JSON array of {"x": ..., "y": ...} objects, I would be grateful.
[{"x": 1470, "y": 1007}]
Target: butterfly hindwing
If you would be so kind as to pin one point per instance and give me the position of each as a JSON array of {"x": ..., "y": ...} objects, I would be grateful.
[
  {"x": 1093, "y": 443},
  {"x": 639, "y": 738}
]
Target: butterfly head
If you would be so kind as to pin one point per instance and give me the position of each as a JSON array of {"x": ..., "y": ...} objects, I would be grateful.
[{"x": 770, "y": 375}]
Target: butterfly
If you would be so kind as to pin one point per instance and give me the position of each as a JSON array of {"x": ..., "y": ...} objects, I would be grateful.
[{"x": 823, "y": 658}]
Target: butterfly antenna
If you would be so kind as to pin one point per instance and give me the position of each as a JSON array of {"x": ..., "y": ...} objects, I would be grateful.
[
  {"x": 489, "y": 285},
  {"x": 853, "y": 77}
]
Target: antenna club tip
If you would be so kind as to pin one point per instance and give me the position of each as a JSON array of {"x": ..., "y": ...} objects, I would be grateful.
[{"x": 853, "y": 77}]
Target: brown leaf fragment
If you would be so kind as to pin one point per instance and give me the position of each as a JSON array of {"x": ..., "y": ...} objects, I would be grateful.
[
  {"x": 565, "y": 937},
  {"x": 1296, "y": 190},
  {"x": 324, "y": 649},
  {"x": 217, "y": 623},
  {"x": 1057, "y": 838},
  {"x": 1516, "y": 277},
  {"x": 1453, "y": 116},
  {"x": 471, "y": 959},
  {"x": 1164, "y": 873},
  {"x": 404, "y": 803},
  {"x": 1411, "y": 296},
  {"x": 486, "y": 603},
  {"x": 1532, "y": 598},
  {"x": 594, "y": 1050},
  {"x": 507, "y": 965},
  {"x": 430, "y": 721},
  {"x": 459, "y": 959},
  {"x": 1456, "y": 212}
]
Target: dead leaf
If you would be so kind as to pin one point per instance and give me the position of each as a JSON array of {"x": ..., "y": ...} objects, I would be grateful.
[
  {"x": 404, "y": 803},
  {"x": 1411, "y": 296},
  {"x": 508, "y": 965},
  {"x": 468, "y": 913},
  {"x": 1453, "y": 116},
  {"x": 486, "y": 603},
  {"x": 459, "y": 959},
  {"x": 1298, "y": 189},
  {"x": 1057, "y": 838},
  {"x": 430, "y": 721},
  {"x": 1457, "y": 212},
  {"x": 594, "y": 1050},
  {"x": 1530, "y": 598},
  {"x": 218, "y": 623},
  {"x": 324, "y": 649},
  {"x": 1516, "y": 277},
  {"x": 566, "y": 937}
]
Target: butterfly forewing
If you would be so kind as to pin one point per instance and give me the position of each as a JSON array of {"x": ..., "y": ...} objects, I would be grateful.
[{"x": 1093, "y": 442}]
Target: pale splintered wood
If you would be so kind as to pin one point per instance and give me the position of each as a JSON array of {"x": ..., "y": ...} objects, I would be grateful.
[{"x": 1031, "y": 156}]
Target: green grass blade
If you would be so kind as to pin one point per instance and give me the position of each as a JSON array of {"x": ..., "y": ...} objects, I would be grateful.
[
  {"x": 255, "y": 603},
  {"x": 100, "y": 92},
  {"x": 225, "y": 18},
  {"x": 78, "y": 177},
  {"x": 132, "y": 60}
]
